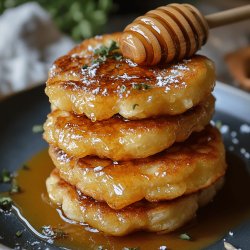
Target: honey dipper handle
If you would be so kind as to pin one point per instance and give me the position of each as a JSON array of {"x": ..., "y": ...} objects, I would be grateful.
[{"x": 228, "y": 16}]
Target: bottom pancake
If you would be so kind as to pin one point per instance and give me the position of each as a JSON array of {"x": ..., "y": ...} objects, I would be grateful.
[{"x": 159, "y": 216}]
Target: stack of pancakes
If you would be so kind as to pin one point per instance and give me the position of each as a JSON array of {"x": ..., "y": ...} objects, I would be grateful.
[{"x": 132, "y": 145}]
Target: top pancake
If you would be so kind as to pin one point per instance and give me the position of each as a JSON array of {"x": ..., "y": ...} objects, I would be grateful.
[{"x": 117, "y": 85}]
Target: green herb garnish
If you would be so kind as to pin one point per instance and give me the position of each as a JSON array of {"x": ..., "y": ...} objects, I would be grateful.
[
  {"x": 184, "y": 236},
  {"x": 135, "y": 105},
  {"x": 14, "y": 187},
  {"x": 37, "y": 129},
  {"x": 123, "y": 89},
  {"x": 218, "y": 124},
  {"x": 25, "y": 167},
  {"x": 5, "y": 202},
  {"x": 104, "y": 52},
  {"x": 5, "y": 176},
  {"x": 117, "y": 56},
  {"x": 85, "y": 66},
  {"x": 99, "y": 60},
  {"x": 101, "y": 51},
  {"x": 19, "y": 233},
  {"x": 113, "y": 46},
  {"x": 141, "y": 86},
  {"x": 8, "y": 177}
]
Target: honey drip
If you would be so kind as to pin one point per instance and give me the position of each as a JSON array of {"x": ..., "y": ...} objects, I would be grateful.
[
  {"x": 168, "y": 33},
  {"x": 230, "y": 208}
]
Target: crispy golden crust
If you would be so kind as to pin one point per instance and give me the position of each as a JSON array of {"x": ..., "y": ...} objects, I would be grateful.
[
  {"x": 120, "y": 139},
  {"x": 161, "y": 216},
  {"x": 173, "y": 88},
  {"x": 182, "y": 169}
]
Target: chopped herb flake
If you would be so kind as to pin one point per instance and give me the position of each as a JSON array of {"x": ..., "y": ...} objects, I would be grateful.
[
  {"x": 37, "y": 129},
  {"x": 85, "y": 66},
  {"x": 135, "y": 105},
  {"x": 14, "y": 187},
  {"x": 5, "y": 202},
  {"x": 5, "y": 176},
  {"x": 104, "y": 52},
  {"x": 99, "y": 60},
  {"x": 218, "y": 124},
  {"x": 101, "y": 51},
  {"x": 19, "y": 233},
  {"x": 122, "y": 89},
  {"x": 141, "y": 86},
  {"x": 25, "y": 167},
  {"x": 113, "y": 46},
  {"x": 184, "y": 237},
  {"x": 117, "y": 56},
  {"x": 8, "y": 177}
]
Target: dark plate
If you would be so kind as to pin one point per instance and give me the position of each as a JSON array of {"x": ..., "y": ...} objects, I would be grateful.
[{"x": 18, "y": 144}]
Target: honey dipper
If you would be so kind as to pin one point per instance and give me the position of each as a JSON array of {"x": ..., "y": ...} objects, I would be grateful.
[{"x": 172, "y": 32}]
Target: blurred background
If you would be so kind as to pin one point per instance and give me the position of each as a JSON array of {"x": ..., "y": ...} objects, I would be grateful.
[{"x": 34, "y": 33}]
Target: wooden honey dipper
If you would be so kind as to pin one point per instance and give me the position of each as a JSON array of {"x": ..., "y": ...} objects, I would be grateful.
[{"x": 172, "y": 32}]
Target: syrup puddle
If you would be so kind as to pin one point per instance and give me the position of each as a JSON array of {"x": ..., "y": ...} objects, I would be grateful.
[{"x": 230, "y": 208}]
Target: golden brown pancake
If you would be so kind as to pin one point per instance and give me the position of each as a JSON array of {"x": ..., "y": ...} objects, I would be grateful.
[
  {"x": 100, "y": 90},
  {"x": 120, "y": 139},
  {"x": 182, "y": 169},
  {"x": 162, "y": 216}
]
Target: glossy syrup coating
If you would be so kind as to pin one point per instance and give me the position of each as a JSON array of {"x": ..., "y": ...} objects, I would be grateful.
[
  {"x": 121, "y": 139},
  {"x": 184, "y": 168},
  {"x": 168, "y": 33},
  {"x": 101, "y": 90},
  {"x": 156, "y": 217}
]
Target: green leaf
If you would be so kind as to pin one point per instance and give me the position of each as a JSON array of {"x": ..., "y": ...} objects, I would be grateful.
[
  {"x": 14, "y": 187},
  {"x": 218, "y": 124},
  {"x": 135, "y": 105},
  {"x": 141, "y": 86},
  {"x": 19, "y": 233},
  {"x": 113, "y": 46},
  {"x": 123, "y": 89},
  {"x": 117, "y": 56},
  {"x": 37, "y": 129},
  {"x": 85, "y": 28},
  {"x": 101, "y": 51},
  {"x": 5, "y": 176},
  {"x": 5, "y": 202},
  {"x": 105, "y": 5},
  {"x": 99, "y": 17},
  {"x": 25, "y": 167}
]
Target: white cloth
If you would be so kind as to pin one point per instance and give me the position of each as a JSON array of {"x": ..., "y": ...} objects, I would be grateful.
[{"x": 29, "y": 43}]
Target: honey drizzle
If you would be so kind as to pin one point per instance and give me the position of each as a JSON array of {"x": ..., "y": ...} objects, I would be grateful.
[{"x": 229, "y": 209}]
